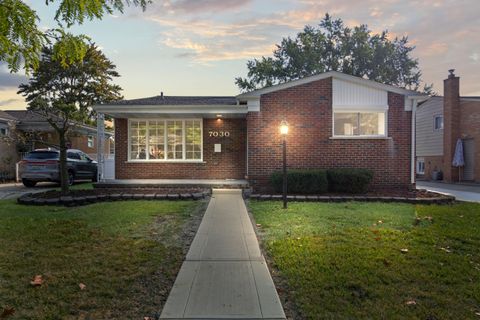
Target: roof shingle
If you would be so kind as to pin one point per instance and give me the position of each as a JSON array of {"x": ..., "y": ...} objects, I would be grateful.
[{"x": 179, "y": 100}]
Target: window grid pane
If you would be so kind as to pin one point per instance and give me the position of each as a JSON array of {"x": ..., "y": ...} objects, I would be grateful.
[
  {"x": 138, "y": 140},
  {"x": 174, "y": 140},
  {"x": 156, "y": 140},
  {"x": 193, "y": 139}
]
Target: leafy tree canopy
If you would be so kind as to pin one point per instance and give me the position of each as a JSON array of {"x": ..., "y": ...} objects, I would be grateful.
[
  {"x": 21, "y": 39},
  {"x": 63, "y": 95},
  {"x": 334, "y": 46}
]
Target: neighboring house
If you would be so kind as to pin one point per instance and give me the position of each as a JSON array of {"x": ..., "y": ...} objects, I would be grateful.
[
  {"x": 335, "y": 120},
  {"x": 441, "y": 121},
  {"x": 8, "y": 150},
  {"x": 29, "y": 130}
]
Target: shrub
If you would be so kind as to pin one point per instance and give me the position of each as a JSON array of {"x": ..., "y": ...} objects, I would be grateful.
[
  {"x": 349, "y": 180},
  {"x": 311, "y": 181}
]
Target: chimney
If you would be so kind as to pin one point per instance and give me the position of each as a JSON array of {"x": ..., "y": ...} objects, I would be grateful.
[{"x": 451, "y": 120}]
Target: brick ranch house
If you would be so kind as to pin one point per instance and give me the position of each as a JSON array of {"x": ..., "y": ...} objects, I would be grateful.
[
  {"x": 335, "y": 120},
  {"x": 441, "y": 121}
]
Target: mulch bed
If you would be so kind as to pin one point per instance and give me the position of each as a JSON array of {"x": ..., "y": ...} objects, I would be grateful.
[
  {"x": 83, "y": 197},
  {"x": 409, "y": 196}
]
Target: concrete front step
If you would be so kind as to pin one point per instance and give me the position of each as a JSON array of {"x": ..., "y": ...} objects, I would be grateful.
[{"x": 173, "y": 183}]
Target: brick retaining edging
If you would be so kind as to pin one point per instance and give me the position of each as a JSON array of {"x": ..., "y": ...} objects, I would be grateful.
[
  {"x": 71, "y": 201},
  {"x": 298, "y": 198}
]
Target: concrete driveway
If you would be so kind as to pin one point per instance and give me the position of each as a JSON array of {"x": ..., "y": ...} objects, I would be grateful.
[
  {"x": 15, "y": 190},
  {"x": 463, "y": 192}
]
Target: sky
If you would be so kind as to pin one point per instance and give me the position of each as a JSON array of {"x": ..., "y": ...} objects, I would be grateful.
[{"x": 198, "y": 47}]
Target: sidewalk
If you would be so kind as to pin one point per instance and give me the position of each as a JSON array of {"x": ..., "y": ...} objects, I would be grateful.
[
  {"x": 463, "y": 192},
  {"x": 224, "y": 274}
]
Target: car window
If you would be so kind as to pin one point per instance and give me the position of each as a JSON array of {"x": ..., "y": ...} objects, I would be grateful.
[
  {"x": 73, "y": 155},
  {"x": 42, "y": 155},
  {"x": 84, "y": 157}
]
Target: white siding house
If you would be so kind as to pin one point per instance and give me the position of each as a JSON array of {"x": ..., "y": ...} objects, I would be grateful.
[{"x": 430, "y": 128}]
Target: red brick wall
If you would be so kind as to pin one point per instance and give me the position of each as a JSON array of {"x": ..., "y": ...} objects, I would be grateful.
[
  {"x": 451, "y": 128},
  {"x": 228, "y": 164},
  {"x": 308, "y": 110},
  {"x": 432, "y": 163}
]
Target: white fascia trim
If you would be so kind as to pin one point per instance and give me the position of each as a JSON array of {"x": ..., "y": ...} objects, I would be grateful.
[
  {"x": 169, "y": 109},
  {"x": 333, "y": 74},
  {"x": 365, "y": 108}
]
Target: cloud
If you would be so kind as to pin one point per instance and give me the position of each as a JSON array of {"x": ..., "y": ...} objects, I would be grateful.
[
  {"x": 9, "y": 101},
  {"x": 195, "y": 6},
  {"x": 11, "y": 80},
  {"x": 475, "y": 57},
  {"x": 206, "y": 31}
]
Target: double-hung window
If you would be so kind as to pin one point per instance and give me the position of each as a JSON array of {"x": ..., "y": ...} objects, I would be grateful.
[
  {"x": 165, "y": 140},
  {"x": 438, "y": 122},
  {"x": 359, "y": 124}
]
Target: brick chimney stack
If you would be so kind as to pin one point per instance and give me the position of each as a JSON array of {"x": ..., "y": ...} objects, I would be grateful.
[{"x": 451, "y": 120}]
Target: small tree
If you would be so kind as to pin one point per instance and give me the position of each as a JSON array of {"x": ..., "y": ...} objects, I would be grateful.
[
  {"x": 334, "y": 47},
  {"x": 64, "y": 93}
]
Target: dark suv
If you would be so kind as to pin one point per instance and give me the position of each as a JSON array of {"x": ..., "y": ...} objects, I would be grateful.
[{"x": 44, "y": 165}]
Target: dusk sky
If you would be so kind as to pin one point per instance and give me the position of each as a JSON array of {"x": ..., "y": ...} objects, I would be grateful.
[{"x": 198, "y": 47}]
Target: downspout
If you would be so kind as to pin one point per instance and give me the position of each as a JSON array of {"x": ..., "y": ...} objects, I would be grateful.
[{"x": 412, "y": 164}]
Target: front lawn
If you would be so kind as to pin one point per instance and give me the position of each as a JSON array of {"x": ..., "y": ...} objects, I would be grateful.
[
  {"x": 113, "y": 260},
  {"x": 374, "y": 260}
]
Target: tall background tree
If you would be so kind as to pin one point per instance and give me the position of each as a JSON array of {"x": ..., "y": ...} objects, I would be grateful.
[
  {"x": 21, "y": 39},
  {"x": 63, "y": 94},
  {"x": 332, "y": 46}
]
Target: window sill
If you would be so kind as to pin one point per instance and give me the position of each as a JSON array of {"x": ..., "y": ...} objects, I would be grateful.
[
  {"x": 165, "y": 161},
  {"x": 360, "y": 138}
]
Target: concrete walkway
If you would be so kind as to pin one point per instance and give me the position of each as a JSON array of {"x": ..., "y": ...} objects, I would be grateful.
[
  {"x": 15, "y": 190},
  {"x": 224, "y": 275},
  {"x": 462, "y": 192}
]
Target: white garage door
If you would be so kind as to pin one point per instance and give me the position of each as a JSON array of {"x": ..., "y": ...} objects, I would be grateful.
[{"x": 469, "y": 154}]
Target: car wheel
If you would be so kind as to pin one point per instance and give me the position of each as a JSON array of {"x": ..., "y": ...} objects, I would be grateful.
[
  {"x": 95, "y": 177},
  {"x": 71, "y": 178},
  {"x": 28, "y": 183}
]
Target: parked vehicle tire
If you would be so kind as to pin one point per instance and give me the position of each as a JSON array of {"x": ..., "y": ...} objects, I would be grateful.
[
  {"x": 29, "y": 183},
  {"x": 71, "y": 178},
  {"x": 95, "y": 177}
]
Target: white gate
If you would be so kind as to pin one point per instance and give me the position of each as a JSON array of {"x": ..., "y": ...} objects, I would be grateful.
[
  {"x": 109, "y": 167},
  {"x": 469, "y": 154}
]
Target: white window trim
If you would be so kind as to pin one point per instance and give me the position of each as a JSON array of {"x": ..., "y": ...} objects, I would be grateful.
[
  {"x": 375, "y": 136},
  {"x": 435, "y": 116},
  {"x": 7, "y": 131},
  {"x": 184, "y": 160},
  {"x": 92, "y": 140}
]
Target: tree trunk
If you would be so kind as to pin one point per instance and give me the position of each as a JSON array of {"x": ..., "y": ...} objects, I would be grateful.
[{"x": 63, "y": 164}]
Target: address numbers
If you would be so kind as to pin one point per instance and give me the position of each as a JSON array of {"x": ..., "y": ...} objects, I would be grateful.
[{"x": 219, "y": 134}]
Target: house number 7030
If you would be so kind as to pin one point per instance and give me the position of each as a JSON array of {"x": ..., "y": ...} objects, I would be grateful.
[{"x": 219, "y": 134}]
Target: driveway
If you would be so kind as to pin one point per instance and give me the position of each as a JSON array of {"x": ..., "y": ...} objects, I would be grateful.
[
  {"x": 463, "y": 192},
  {"x": 15, "y": 190}
]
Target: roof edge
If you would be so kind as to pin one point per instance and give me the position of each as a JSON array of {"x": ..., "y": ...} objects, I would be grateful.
[{"x": 333, "y": 74}]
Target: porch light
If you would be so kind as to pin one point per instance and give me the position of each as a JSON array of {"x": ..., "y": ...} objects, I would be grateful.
[
  {"x": 284, "y": 128},
  {"x": 219, "y": 116}
]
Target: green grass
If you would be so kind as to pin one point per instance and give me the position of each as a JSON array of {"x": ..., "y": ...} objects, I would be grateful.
[
  {"x": 339, "y": 262},
  {"x": 124, "y": 252}
]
